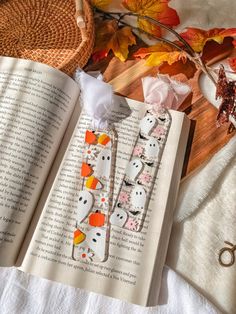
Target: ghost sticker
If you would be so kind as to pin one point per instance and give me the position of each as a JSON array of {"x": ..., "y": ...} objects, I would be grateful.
[
  {"x": 96, "y": 240},
  {"x": 133, "y": 169},
  {"x": 119, "y": 217},
  {"x": 147, "y": 125},
  {"x": 138, "y": 198},
  {"x": 85, "y": 204},
  {"x": 151, "y": 149},
  {"x": 103, "y": 165}
]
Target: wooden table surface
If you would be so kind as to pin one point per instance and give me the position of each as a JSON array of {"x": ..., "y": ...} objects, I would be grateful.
[{"x": 205, "y": 138}]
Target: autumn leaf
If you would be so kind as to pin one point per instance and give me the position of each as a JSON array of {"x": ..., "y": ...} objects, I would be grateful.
[
  {"x": 101, "y": 4},
  {"x": 156, "y": 9},
  {"x": 110, "y": 37},
  {"x": 187, "y": 68},
  {"x": 160, "y": 53},
  {"x": 149, "y": 27},
  {"x": 232, "y": 63},
  {"x": 197, "y": 37}
]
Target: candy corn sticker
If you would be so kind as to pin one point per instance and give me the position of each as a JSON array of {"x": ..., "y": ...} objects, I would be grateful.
[
  {"x": 86, "y": 170},
  {"x": 93, "y": 183},
  {"x": 90, "y": 137},
  {"x": 79, "y": 237},
  {"x": 104, "y": 140}
]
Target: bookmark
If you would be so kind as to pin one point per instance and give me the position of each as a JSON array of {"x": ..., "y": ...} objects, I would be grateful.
[
  {"x": 94, "y": 197},
  {"x": 133, "y": 198},
  {"x": 136, "y": 189}
]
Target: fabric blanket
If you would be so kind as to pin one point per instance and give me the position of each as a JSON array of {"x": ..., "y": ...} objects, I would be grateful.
[
  {"x": 23, "y": 294},
  {"x": 205, "y": 218}
]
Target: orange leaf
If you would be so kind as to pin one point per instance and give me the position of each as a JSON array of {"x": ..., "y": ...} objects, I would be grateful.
[
  {"x": 188, "y": 68},
  {"x": 101, "y": 4},
  {"x": 160, "y": 53},
  {"x": 232, "y": 63},
  {"x": 197, "y": 37},
  {"x": 110, "y": 37},
  {"x": 156, "y": 9}
]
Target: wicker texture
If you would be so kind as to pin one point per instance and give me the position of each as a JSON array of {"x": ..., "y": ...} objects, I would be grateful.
[{"x": 46, "y": 31}]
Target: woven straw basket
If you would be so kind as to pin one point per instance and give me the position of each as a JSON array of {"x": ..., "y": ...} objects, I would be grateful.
[{"x": 46, "y": 31}]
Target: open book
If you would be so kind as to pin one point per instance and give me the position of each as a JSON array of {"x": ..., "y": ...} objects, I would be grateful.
[{"x": 41, "y": 141}]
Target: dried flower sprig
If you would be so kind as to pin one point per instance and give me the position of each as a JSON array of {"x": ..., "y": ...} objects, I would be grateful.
[{"x": 226, "y": 90}]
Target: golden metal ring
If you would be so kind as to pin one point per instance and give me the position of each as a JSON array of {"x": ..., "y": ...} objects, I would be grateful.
[{"x": 231, "y": 252}]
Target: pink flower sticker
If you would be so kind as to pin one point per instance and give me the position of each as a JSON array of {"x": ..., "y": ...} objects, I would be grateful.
[
  {"x": 123, "y": 197},
  {"x": 145, "y": 178},
  {"x": 138, "y": 150},
  {"x": 131, "y": 224},
  {"x": 159, "y": 131}
]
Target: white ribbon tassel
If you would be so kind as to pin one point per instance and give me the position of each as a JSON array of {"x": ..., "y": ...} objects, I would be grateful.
[{"x": 97, "y": 99}]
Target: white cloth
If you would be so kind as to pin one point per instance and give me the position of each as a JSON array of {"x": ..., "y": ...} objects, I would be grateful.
[
  {"x": 205, "y": 182},
  {"x": 21, "y": 293},
  {"x": 206, "y": 217}
]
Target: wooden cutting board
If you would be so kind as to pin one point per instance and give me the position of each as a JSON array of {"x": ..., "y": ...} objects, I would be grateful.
[{"x": 205, "y": 138}]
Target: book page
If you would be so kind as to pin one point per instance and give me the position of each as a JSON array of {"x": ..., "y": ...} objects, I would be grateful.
[
  {"x": 36, "y": 103},
  {"x": 127, "y": 273}
]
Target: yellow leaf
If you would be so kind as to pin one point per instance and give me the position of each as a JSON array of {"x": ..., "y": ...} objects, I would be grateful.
[
  {"x": 160, "y": 53},
  {"x": 157, "y": 58}
]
